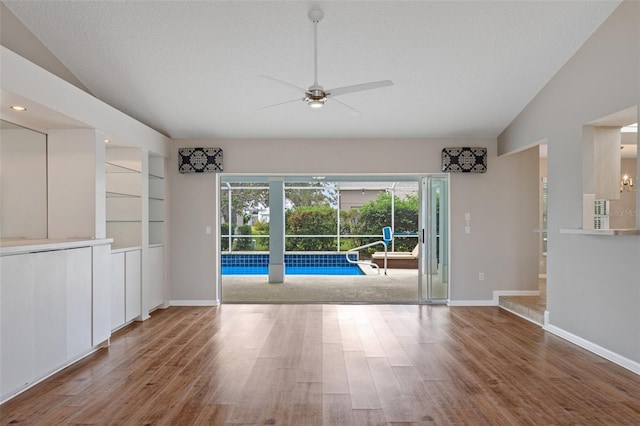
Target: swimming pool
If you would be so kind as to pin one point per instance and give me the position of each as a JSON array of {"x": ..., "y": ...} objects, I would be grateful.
[{"x": 295, "y": 264}]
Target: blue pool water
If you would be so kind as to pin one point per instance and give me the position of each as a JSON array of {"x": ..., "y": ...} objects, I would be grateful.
[
  {"x": 295, "y": 264},
  {"x": 293, "y": 270}
]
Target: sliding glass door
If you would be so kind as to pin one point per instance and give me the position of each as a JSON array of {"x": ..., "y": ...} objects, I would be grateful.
[{"x": 433, "y": 283}]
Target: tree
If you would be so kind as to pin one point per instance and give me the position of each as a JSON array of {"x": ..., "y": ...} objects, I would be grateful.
[
  {"x": 318, "y": 194},
  {"x": 243, "y": 244},
  {"x": 311, "y": 220},
  {"x": 376, "y": 214},
  {"x": 244, "y": 200}
]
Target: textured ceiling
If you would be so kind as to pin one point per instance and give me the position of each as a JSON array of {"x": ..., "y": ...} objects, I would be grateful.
[{"x": 190, "y": 69}]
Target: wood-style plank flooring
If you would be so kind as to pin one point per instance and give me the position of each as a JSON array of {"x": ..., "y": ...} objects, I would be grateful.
[{"x": 334, "y": 365}]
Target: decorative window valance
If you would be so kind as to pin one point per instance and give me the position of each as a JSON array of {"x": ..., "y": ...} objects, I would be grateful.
[
  {"x": 464, "y": 160},
  {"x": 199, "y": 160}
]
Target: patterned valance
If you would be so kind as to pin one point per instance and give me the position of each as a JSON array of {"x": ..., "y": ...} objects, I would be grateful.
[
  {"x": 199, "y": 160},
  {"x": 464, "y": 160}
]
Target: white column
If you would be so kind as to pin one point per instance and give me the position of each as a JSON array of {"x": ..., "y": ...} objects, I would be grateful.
[{"x": 276, "y": 230}]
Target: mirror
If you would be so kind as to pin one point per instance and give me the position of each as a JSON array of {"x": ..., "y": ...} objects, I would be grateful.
[{"x": 23, "y": 182}]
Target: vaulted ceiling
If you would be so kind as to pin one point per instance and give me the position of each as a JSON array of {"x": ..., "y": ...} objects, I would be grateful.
[{"x": 191, "y": 69}]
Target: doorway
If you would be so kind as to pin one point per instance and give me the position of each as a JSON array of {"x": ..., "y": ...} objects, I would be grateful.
[{"x": 353, "y": 201}]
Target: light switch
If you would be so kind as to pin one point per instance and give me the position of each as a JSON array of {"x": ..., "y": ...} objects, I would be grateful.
[
  {"x": 207, "y": 230},
  {"x": 467, "y": 229}
]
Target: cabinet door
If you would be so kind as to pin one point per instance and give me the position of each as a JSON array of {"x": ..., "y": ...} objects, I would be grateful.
[
  {"x": 17, "y": 327},
  {"x": 133, "y": 285},
  {"x": 156, "y": 277},
  {"x": 50, "y": 304},
  {"x": 117, "y": 290},
  {"x": 78, "y": 301},
  {"x": 101, "y": 294}
]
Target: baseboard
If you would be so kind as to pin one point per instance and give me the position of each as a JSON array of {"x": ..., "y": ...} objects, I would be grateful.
[
  {"x": 596, "y": 349},
  {"x": 214, "y": 302}
]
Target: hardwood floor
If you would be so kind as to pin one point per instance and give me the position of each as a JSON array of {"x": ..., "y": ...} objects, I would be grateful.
[{"x": 334, "y": 365}]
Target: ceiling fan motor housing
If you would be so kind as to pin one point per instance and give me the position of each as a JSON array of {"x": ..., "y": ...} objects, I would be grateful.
[{"x": 316, "y": 93}]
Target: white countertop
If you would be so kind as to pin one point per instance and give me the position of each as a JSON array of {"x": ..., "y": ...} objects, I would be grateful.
[{"x": 26, "y": 245}]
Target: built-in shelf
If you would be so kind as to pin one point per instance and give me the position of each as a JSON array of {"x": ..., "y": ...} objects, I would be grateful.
[
  {"x": 115, "y": 167},
  {"x": 156, "y": 200},
  {"x": 120, "y": 195},
  {"x": 123, "y": 170},
  {"x": 610, "y": 232}
]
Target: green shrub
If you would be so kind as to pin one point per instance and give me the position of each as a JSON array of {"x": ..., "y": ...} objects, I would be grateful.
[
  {"x": 311, "y": 220},
  {"x": 243, "y": 244}
]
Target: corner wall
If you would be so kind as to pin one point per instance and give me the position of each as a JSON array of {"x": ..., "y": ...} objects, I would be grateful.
[
  {"x": 502, "y": 204},
  {"x": 593, "y": 282}
]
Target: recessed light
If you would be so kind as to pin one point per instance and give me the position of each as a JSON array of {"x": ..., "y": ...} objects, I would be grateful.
[
  {"x": 107, "y": 141},
  {"x": 18, "y": 108}
]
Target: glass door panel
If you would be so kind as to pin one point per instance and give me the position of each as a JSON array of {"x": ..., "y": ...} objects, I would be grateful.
[{"x": 433, "y": 285}]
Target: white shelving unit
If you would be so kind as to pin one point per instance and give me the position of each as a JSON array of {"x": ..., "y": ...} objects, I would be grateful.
[
  {"x": 156, "y": 200},
  {"x": 155, "y": 256},
  {"x": 123, "y": 173},
  {"x": 135, "y": 219}
]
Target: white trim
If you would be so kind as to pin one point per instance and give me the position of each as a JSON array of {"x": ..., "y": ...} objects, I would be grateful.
[
  {"x": 214, "y": 302},
  {"x": 471, "y": 303},
  {"x": 596, "y": 349},
  {"x": 498, "y": 293},
  {"x": 495, "y": 300}
]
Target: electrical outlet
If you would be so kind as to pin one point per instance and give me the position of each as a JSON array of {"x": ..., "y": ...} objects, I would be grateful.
[
  {"x": 467, "y": 229},
  {"x": 481, "y": 276}
]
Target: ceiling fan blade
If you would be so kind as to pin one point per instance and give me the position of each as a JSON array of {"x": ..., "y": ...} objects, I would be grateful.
[
  {"x": 281, "y": 103},
  {"x": 359, "y": 87},
  {"x": 284, "y": 83},
  {"x": 352, "y": 110}
]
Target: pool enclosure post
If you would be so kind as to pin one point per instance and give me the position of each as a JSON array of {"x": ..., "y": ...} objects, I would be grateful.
[{"x": 276, "y": 229}]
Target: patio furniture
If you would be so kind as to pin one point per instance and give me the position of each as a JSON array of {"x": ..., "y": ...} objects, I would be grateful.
[{"x": 398, "y": 259}]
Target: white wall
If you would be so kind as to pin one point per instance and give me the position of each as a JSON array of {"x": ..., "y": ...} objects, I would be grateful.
[
  {"x": 23, "y": 184},
  {"x": 502, "y": 204},
  {"x": 593, "y": 282}
]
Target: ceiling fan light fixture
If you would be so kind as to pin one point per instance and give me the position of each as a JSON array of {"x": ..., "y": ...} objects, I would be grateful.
[{"x": 316, "y": 103}]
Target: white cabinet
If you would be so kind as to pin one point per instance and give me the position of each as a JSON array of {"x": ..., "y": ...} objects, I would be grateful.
[
  {"x": 77, "y": 286},
  {"x": 156, "y": 277},
  {"x": 54, "y": 308},
  {"x": 117, "y": 290},
  {"x": 126, "y": 287},
  {"x": 101, "y": 295},
  {"x": 135, "y": 219},
  {"x": 17, "y": 322},
  {"x": 132, "y": 285}
]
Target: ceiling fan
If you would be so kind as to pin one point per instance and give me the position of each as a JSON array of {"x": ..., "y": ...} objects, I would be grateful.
[{"x": 316, "y": 96}]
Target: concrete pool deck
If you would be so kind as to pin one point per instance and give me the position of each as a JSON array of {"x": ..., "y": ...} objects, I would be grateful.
[{"x": 398, "y": 286}]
